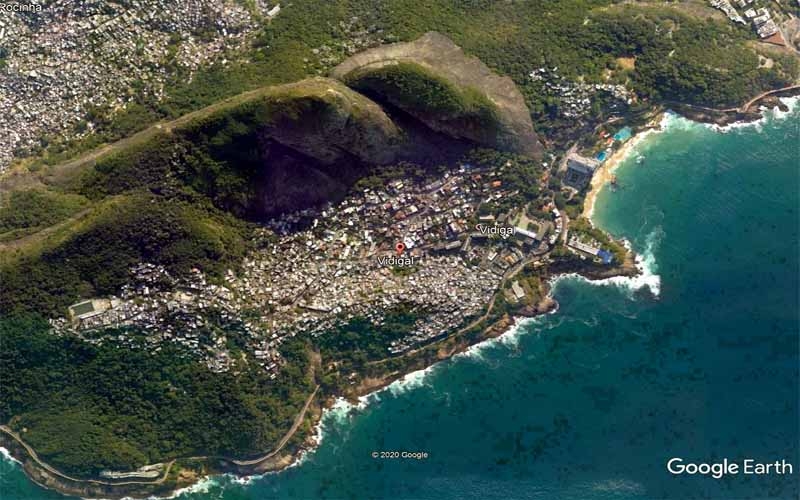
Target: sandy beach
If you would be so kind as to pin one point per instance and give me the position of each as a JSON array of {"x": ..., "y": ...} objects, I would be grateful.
[{"x": 605, "y": 172}]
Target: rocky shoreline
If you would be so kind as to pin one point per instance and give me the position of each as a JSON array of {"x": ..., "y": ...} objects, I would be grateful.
[
  {"x": 371, "y": 382},
  {"x": 719, "y": 118},
  {"x": 171, "y": 483}
]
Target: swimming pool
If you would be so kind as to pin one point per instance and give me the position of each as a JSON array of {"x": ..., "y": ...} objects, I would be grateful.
[{"x": 623, "y": 135}]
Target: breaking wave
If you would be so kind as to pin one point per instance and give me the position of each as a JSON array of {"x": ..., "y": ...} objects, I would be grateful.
[
  {"x": 674, "y": 121},
  {"x": 509, "y": 338},
  {"x": 8, "y": 457},
  {"x": 767, "y": 115},
  {"x": 646, "y": 264},
  {"x": 618, "y": 486},
  {"x": 341, "y": 413},
  {"x": 203, "y": 486},
  {"x": 410, "y": 382}
]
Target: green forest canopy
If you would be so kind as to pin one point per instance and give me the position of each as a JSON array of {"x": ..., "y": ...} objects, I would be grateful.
[
  {"x": 678, "y": 57},
  {"x": 86, "y": 407}
]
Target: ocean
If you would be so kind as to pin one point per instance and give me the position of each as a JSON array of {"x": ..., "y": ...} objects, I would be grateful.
[{"x": 695, "y": 359}]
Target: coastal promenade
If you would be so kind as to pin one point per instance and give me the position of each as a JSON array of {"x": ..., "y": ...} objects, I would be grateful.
[
  {"x": 744, "y": 108},
  {"x": 762, "y": 95}
]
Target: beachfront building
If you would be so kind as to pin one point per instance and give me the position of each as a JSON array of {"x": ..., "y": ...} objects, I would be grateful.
[{"x": 580, "y": 170}]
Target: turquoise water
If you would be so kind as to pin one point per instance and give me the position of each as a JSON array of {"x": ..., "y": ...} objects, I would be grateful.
[
  {"x": 696, "y": 359},
  {"x": 623, "y": 135}
]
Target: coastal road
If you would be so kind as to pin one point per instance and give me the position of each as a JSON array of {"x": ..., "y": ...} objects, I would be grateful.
[
  {"x": 744, "y": 107},
  {"x": 507, "y": 276},
  {"x": 297, "y": 422},
  {"x": 52, "y": 470},
  {"x": 762, "y": 95}
]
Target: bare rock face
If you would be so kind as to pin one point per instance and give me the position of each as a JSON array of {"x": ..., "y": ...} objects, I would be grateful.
[
  {"x": 308, "y": 141},
  {"x": 318, "y": 117},
  {"x": 305, "y": 143},
  {"x": 327, "y": 121},
  {"x": 385, "y": 72},
  {"x": 289, "y": 183}
]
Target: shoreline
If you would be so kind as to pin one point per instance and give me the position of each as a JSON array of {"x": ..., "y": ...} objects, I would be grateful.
[
  {"x": 495, "y": 331},
  {"x": 451, "y": 346},
  {"x": 445, "y": 349},
  {"x": 605, "y": 172}
]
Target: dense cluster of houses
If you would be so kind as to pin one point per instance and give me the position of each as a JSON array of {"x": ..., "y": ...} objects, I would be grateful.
[
  {"x": 726, "y": 7},
  {"x": 69, "y": 58},
  {"x": 575, "y": 98},
  {"x": 760, "y": 17},
  {"x": 350, "y": 36},
  {"x": 323, "y": 268},
  {"x": 762, "y": 21}
]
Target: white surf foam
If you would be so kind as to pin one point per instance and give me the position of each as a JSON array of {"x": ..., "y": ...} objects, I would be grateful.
[
  {"x": 409, "y": 382},
  {"x": 204, "y": 485},
  {"x": 618, "y": 486},
  {"x": 767, "y": 115},
  {"x": 340, "y": 413},
  {"x": 8, "y": 457},
  {"x": 793, "y": 105},
  {"x": 244, "y": 480},
  {"x": 757, "y": 125},
  {"x": 509, "y": 338},
  {"x": 674, "y": 121},
  {"x": 645, "y": 263}
]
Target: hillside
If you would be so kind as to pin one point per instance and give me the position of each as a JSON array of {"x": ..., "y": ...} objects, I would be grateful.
[
  {"x": 433, "y": 80},
  {"x": 264, "y": 152},
  {"x": 186, "y": 195},
  {"x": 283, "y": 148}
]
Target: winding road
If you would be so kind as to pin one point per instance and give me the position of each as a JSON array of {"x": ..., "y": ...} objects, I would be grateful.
[
  {"x": 744, "y": 107},
  {"x": 44, "y": 465},
  {"x": 60, "y": 474},
  {"x": 762, "y": 95},
  {"x": 285, "y": 439}
]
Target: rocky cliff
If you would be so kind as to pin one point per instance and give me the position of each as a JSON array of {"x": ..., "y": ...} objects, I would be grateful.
[
  {"x": 433, "y": 80},
  {"x": 287, "y": 147},
  {"x": 318, "y": 117}
]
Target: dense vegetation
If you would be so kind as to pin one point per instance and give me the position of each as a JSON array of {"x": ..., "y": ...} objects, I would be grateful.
[
  {"x": 228, "y": 153},
  {"x": 178, "y": 199},
  {"x": 420, "y": 91},
  {"x": 678, "y": 57},
  {"x": 682, "y": 59},
  {"x": 173, "y": 198},
  {"x": 86, "y": 407},
  {"x": 169, "y": 164},
  {"x": 94, "y": 259},
  {"x": 34, "y": 208},
  {"x": 360, "y": 340},
  {"x": 520, "y": 176}
]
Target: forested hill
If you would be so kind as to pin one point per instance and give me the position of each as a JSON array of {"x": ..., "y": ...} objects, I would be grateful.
[
  {"x": 668, "y": 52},
  {"x": 183, "y": 198},
  {"x": 181, "y": 195}
]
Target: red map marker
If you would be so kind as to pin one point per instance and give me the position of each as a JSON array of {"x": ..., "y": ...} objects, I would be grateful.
[{"x": 399, "y": 248}]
